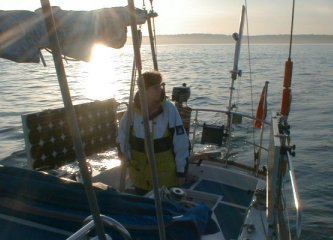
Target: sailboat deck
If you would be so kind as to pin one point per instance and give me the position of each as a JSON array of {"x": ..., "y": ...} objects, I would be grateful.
[{"x": 230, "y": 206}]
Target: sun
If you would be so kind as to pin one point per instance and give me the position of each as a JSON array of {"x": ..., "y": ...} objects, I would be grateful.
[{"x": 101, "y": 81}]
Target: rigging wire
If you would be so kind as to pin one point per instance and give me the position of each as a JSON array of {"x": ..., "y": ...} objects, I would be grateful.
[
  {"x": 125, "y": 162},
  {"x": 286, "y": 93},
  {"x": 154, "y": 29},
  {"x": 291, "y": 29},
  {"x": 250, "y": 76},
  {"x": 152, "y": 34},
  {"x": 249, "y": 58}
]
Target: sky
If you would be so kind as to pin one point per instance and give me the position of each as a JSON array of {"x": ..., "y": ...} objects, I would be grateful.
[{"x": 214, "y": 16}]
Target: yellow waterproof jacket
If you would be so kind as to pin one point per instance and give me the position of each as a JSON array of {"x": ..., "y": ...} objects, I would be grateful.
[
  {"x": 171, "y": 146},
  {"x": 139, "y": 168}
]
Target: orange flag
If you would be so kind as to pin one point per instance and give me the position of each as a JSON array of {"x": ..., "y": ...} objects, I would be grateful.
[{"x": 262, "y": 108}]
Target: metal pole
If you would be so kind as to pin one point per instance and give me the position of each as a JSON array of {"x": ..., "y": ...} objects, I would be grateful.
[
  {"x": 234, "y": 71},
  {"x": 234, "y": 74},
  {"x": 71, "y": 117},
  {"x": 124, "y": 160},
  {"x": 151, "y": 39},
  {"x": 149, "y": 144}
]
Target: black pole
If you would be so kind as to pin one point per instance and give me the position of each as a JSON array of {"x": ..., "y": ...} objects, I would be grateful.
[
  {"x": 149, "y": 144},
  {"x": 71, "y": 117}
]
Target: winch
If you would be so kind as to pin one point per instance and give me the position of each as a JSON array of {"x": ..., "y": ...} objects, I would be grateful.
[{"x": 181, "y": 94}]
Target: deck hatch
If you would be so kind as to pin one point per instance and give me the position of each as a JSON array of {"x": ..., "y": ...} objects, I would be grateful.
[
  {"x": 229, "y": 193},
  {"x": 230, "y": 219}
]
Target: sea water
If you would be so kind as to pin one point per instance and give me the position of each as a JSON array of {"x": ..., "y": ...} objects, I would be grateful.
[{"x": 206, "y": 70}]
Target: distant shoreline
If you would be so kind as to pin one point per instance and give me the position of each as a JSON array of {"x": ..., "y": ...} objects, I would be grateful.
[{"x": 227, "y": 39}]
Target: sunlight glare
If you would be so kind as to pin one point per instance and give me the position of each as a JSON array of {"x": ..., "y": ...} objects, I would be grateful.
[{"x": 101, "y": 82}]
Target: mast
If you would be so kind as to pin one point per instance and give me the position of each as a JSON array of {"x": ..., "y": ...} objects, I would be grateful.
[{"x": 234, "y": 73}]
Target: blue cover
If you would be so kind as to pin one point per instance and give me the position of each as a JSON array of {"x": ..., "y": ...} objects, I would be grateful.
[
  {"x": 23, "y": 33},
  {"x": 62, "y": 204}
]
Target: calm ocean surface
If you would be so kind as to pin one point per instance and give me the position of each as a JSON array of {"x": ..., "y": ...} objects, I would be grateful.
[{"x": 205, "y": 68}]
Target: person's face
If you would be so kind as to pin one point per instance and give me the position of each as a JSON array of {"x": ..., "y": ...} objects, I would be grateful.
[{"x": 154, "y": 93}]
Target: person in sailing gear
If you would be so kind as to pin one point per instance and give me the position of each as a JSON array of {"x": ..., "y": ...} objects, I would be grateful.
[{"x": 171, "y": 144}]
